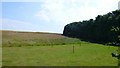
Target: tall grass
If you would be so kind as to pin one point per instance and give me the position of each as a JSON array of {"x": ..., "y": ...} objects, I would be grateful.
[{"x": 35, "y": 39}]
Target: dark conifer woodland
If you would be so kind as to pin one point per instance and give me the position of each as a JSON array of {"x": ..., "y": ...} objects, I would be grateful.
[{"x": 104, "y": 29}]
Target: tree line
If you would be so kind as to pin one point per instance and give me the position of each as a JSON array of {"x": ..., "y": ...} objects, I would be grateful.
[{"x": 104, "y": 29}]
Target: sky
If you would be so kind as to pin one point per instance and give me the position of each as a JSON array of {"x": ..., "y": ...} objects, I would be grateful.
[{"x": 50, "y": 15}]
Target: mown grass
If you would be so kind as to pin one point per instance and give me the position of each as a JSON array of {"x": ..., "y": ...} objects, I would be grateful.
[
  {"x": 44, "y": 49},
  {"x": 119, "y": 56},
  {"x": 60, "y": 55}
]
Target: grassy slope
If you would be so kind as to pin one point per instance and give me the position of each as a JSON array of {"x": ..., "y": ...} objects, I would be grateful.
[
  {"x": 12, "y": 38},
  {"x": 86, "y": 54}
]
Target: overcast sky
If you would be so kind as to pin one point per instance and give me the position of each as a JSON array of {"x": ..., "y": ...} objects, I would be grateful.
[{"x": 50, "y": 15}]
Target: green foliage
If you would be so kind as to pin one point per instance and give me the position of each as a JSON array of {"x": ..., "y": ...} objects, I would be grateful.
[{"x": 104, "y": 29}]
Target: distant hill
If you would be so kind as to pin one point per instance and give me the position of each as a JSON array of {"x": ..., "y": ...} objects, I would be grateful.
[{"x": 20, "y": 38}]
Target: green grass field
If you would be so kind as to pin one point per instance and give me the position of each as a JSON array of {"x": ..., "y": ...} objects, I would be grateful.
[
  {"x": 119, "y": 56},
  {"x": 27, "y": 49},
  {"x": 59, "y": 55}
]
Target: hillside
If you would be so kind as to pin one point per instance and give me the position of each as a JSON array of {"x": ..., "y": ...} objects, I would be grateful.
[
  {"x": 18, "y": 38},
  {"x": 50, "y": 49}
]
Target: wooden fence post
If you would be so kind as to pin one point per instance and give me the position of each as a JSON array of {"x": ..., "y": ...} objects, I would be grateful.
[{"x": 73, "y": 49}]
